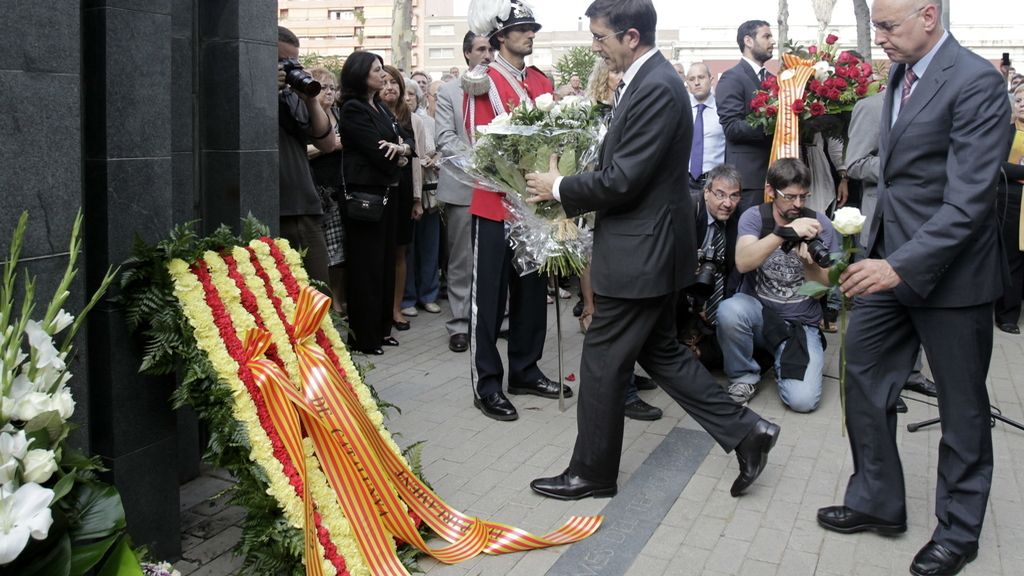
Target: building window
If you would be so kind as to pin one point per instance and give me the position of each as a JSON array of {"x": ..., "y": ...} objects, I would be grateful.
[
  {"x": 442, "y": 30},
  {"x": 442, "y": 53},
  {"x": 340, "y": 14},
  {"x": 282, "y": 14}
]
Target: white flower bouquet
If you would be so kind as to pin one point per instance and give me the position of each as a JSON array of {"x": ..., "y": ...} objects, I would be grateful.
[
  {"x": 524, "y": 141},
  {"x": 55, "y": 516}
]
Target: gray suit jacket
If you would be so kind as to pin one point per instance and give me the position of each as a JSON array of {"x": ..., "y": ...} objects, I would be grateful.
[
  {"x": 935, "y": 222},
  {"x": 862, "y": 149},
  {"x": 451, "y": 139},
  {"x": 644, "y": 242}
]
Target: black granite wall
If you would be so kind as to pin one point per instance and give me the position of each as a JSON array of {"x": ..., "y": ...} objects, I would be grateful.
[{"x": 143, "y": 114}]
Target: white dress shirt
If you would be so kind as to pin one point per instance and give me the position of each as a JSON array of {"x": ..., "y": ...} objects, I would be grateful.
[{"x": 714, "y": 134}]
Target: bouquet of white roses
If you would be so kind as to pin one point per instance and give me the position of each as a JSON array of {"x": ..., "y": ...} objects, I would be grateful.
[
  {"x": 523, "y": 141},
  {"x": 55, "y": 516}
]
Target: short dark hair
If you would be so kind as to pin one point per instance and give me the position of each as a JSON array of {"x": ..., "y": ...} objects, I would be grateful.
[
  {"x": 726, "y": 172},
  {"x": 786, "y": 172},
  {"x": 749, "y": 28},
  {"x": 287, "y": 36},
  {"x": 354, "y": 73},
  {"x": 626, "y": 14},
  {"x": 467, "y": 44}
]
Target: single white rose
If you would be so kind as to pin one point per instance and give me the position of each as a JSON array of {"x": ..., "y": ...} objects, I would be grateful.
[
  {"x": 63, "y": 403},
  {"x": 786, "y": 74},
  {"x": 13, "y": 447},
  {"x": 557, "y": 110},
  {"x": 545, "y": 102},
  {"x": 62, "y": 320},
  {"x": 848, "y": 221},
  {"x": 822, "y": 70},
  {"x": 28, "y": 406},
  {"x": 570, "y": 101},
  {"x": 24, "y": 513},
  {"x": 39, "y": 466},
  {"x": 502, "y": 120}
]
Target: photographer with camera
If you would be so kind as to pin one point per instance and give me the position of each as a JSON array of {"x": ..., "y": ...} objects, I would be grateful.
[
  {"x": 779, "y": 246},
  {"x": 300, "y": 120}
]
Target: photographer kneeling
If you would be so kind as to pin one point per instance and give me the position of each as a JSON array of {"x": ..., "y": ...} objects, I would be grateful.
[{"x": 780, "y": 246}]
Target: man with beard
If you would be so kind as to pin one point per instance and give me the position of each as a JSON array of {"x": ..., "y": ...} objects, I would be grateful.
[
  {"x": 494, "y": 278},
  {"x": 768, "y": 312},
  {"x": 746, "y": 147}
]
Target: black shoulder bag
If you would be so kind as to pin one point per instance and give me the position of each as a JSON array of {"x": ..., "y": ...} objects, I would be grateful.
[{"x": 362, "y": 206}]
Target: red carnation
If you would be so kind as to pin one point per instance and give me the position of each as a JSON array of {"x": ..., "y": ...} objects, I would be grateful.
[
  {"x": 817, "y": 108},
  {"x": 812, "y": 50},
  {"x": 759, "y": 101},
  {"x": 842, "y": 71},
  {"x": 834, "y": 94},
  {"x": 861, "y": 89},
  {"x": 797, "y": 106},
  {"x": 813, "y": 85},
  {"x": 865, "y": 69},
  {"x": 771, "y": 110},
  {"x": 770, "y": 83},
  {"x": 831, "y": 39},
  {"x": 822, "y": 91}
]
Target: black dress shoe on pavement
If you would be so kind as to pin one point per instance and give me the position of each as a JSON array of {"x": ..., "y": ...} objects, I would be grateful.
[
  {"x": 923, "y": 386},
  {"x": 389, "y": 341},
  {"x": 543, "y": 387},
  {"x": 752, "y": 453},
  {"x": 496, "y": 406},
  {"x": 640, "y": 410},
  {"x": 458, "y": 342},
  {"x": 644, "y": 383},
  {"x": 937, "y": 560},
  {"x": 568, "y": 486},
  {"x": 846, "y": 521},
  {"x": 1009, "y": 328}
]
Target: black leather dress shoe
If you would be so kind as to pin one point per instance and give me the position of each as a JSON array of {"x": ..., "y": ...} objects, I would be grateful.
[
  {"x": 458, "y": 342},
  {"x": 1009, "y": 328},
  {"x": 568, "y": 486},
  {"x": 496, "y": 406},
  {"x": 644, "y": 383},
  {"x": 640, "y": 410},
  {"x": 846, "y": 521},
  {"x": 543, "y": 387},
  {"x": 752, "y": 454},
  {"x": 389, "y": 341},
  {"x": 923, "y": 386},
  {"x": 937, "y": 560}
]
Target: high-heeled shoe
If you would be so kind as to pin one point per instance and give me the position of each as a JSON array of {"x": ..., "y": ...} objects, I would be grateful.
[{"x": 389, "y": 341}]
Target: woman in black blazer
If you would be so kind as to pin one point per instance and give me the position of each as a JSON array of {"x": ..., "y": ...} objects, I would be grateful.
[{"x": 373, "y": 155}]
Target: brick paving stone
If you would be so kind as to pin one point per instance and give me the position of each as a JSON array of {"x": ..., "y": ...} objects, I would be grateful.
[
  {"x": 768, "y": 545},
  {"x": 650, "y": 566},
  {"x": 744, "y": 524},
  {"x": 752, "y": 567},
  {"x": 727, "y": 556},
  {"x": 221, "y": 566},
  {"x": 215, "y": 546}
]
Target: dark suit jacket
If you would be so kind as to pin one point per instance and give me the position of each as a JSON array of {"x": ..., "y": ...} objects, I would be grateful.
[
  {"x": 361, "y": 128},
  {"x": 935, "y": 221},
  {"x": 746, "y": 147},
  {"x": 643, "y": 242},
  {"x": 732, "y": 276}
]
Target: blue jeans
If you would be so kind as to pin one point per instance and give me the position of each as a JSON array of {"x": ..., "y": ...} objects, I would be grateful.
[
  {"x": 740, "y": 328},
  {"x": 423, "y": 273}
]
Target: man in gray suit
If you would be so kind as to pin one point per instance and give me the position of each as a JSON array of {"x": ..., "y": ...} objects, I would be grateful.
[
  {"x": 452, "y": 139},
  {"x": 644, "y": 232},
  {"x": 935, "y": 265}
]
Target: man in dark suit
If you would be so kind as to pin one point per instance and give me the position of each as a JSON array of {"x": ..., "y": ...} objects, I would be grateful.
[
  {"x": 935, "y": 266},
  {"x": 644, "y": 253},
  {"x": 746, "y": 147}
]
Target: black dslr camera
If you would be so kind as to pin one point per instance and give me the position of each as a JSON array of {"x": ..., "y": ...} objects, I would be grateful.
[
  {"x": 815, "y": 247},
  {"x": 707, "y": 266},
  {"x": 297, "y": 78}
]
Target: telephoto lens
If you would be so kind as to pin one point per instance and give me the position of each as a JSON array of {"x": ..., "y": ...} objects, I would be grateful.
[{"x": 298, "y": 79}]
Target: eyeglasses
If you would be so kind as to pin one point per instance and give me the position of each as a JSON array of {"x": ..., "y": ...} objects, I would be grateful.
[
  {"x": 793, "y": 197},
  {"x": 889, "y": 28},
  {"x": 601, "y": 39},
  {"x": 330, "y": 87},
  {"x": 722, "y": 195}
]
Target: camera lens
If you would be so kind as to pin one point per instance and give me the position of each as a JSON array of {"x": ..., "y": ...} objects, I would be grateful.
[{"x": 819, "y": 252}]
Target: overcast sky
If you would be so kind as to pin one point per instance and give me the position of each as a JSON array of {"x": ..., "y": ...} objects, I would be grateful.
[{"x": 563, "y": 14}]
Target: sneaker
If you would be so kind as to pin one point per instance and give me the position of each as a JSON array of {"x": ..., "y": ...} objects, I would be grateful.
[
  {"x": 432, "y": 307},
  {"x": 410, "y": 311},
  {"x": 741, "y": 392}
]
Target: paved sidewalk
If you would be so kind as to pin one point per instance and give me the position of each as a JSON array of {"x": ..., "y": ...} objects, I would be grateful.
[{"x": 483, "y": 468}]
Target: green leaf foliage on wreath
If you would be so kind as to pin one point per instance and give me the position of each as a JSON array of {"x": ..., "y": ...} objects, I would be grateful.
[
  {"x": 269, "y": 544},
  {"x": 578, "y": 61}
]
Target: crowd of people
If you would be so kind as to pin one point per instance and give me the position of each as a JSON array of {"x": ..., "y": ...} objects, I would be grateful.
[{"x": 690, "y": 278}]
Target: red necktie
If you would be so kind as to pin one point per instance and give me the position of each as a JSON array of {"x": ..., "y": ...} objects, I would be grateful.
[{"x": 908, "y": 82}]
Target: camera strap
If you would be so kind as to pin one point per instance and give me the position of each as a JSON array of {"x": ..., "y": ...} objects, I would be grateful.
[{"x": 768, "y": 218}]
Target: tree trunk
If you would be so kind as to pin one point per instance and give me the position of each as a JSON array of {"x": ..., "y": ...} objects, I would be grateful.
[
  {"x": 863, "y": 17},
  {"x": 783, "y": 32},
  {"x": 401, "y": 36},
  {"x": 823, "y": 12}
]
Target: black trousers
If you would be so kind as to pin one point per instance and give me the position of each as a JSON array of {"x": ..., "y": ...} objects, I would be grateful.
[
  {"x": 307, "y": 233},
  {"x": 622, "y": 333},
  {"x": 1007, "y": 308},
  {"x": 370, "y": 278},
  {"x": 494, "y": 280},
  {"x": 882, "y": 343}
]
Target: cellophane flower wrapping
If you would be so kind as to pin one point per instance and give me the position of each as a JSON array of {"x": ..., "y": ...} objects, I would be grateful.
[{"x": 523, "y": 141}]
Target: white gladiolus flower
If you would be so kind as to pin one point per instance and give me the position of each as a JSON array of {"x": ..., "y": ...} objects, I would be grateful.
[
  {"x": 24, "y": 513},
  {"x": 28, "y": 406},
  {"x": 13, "y": 448},
  {"x": 545, "y": 102},
  {"x": 848, "y": 221},
  {"x": 822, "y": 70},
  {"x": 62, "y": 320},
  {"x": 39, "y": 465},
  {"x": 42, "y": 343}
]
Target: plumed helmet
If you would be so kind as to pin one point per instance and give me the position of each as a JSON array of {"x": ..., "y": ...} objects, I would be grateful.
[{"x": 488, "y": 17}]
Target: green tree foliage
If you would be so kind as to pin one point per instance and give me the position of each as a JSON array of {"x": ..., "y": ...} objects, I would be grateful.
[{"x": 578, "y": 61}]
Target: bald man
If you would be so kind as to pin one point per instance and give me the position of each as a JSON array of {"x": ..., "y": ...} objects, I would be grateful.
[{"x": 708, "y": 147}]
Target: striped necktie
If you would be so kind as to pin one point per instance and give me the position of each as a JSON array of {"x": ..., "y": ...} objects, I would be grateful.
[
  {"x": 711, "y": 308},
  {"x": 908, "y": 84},
  {"x": 618, "y": 94}
]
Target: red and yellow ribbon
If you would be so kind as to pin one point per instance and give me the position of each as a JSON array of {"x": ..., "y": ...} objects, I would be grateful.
[{"x": 792, "y": 83}]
